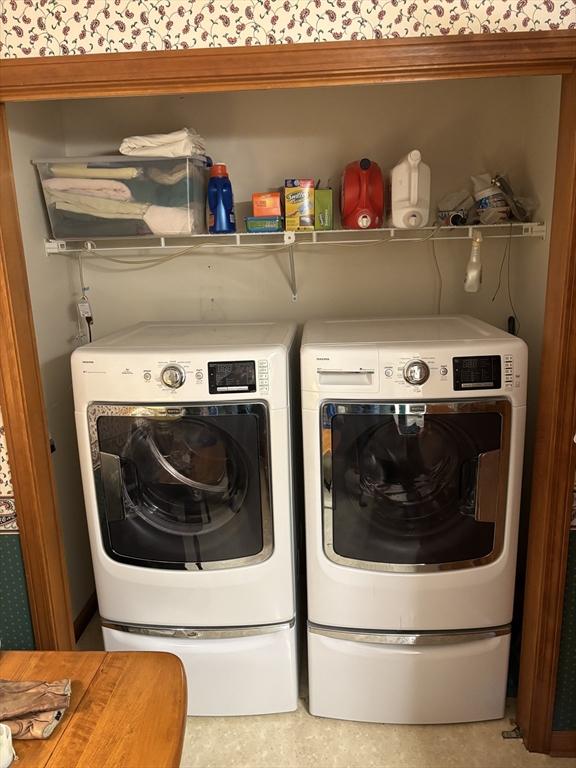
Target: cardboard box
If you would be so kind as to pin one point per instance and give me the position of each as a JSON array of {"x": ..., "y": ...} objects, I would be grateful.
[
  {"x": 299, "y": 205},
  {"x": 266, "y": 204},
  {"x": 323, "y": 210}
]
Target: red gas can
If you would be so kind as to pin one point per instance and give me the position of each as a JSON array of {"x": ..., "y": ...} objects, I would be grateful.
[{"x": 362, "y": 198}]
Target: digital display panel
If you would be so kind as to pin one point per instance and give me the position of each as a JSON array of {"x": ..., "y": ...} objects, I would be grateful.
[
  {"x": 237, "y": 376},
  {"x": 483, "y": 372}
]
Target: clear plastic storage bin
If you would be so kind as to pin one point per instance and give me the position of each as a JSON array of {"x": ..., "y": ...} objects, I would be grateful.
[{"x": 124, "y": 196}]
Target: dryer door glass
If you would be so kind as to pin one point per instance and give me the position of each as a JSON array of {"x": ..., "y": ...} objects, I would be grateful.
[
  {"x": 183, "y": 487},
  {"x": 415, "y": 487}
]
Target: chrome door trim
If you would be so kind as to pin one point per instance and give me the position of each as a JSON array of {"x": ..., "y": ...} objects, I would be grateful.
[
  {"x": 176, "y": 412},
  {"x": 415, "y": 410},
  {"x": 419, "y": 639},
  {"x": 200, "y": 633}
]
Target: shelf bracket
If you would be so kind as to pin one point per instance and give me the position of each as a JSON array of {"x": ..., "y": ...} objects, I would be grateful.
[
  {"x": 54, "y": 246},
  {"x": 292, "y": 265}
]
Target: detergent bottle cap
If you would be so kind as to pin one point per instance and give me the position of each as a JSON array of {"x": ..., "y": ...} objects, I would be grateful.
[{"x": 218, "y": 169}]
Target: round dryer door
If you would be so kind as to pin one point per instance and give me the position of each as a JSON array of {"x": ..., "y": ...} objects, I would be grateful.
[
  {"x": 187, "y": 477},
  {"x": 183, "y": 487}
]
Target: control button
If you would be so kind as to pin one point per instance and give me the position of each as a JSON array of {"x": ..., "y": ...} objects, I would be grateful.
[
  {"x": 388, "y": 372},
  {"x": 147, "y": 376},
  {"x": 443, "y": 371},
  {"x": 173, "y": 376},
  {"x": 199, "y": 374},
  {"x": 416, "y": 372}
]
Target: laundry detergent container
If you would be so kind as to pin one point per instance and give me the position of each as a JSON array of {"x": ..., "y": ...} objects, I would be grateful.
[{"x": 120, "y": 196}]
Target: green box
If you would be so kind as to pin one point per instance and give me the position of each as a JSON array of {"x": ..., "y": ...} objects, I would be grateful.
[
  {"x": 323, "y": 211},
  {"x": 263, "y": 224}
]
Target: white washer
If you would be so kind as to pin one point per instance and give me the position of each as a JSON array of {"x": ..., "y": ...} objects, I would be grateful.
[
  {"x": 185, "y": 446},
  {"x": 413, "y": 435}
]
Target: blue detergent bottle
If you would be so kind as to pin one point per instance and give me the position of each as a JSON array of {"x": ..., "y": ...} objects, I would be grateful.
[{"x": 220, "y": 201}]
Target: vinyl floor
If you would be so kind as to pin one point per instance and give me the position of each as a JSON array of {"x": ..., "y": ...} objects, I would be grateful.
[{"x": 297, "y": 740}]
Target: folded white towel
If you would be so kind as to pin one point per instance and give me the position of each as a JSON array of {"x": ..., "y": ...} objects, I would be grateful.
[
  {"x": 183, "y": 143},
  {"x": 168, "y": 221},
  {"x": 109, "y": 188}
]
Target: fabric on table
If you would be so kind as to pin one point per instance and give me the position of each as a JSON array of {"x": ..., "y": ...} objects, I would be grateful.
[
  {"x": 95, "y": 206},
  {"x": 33, "y": 709},
  {"x": 37, "y": 726},
  {"x": 86, "y": 171},
  {"x": 110, "y": 188},
  {"x": 145, "y": 190},
  {"x": 181, "y": 143},
  {"x": 80, "y": 225}
]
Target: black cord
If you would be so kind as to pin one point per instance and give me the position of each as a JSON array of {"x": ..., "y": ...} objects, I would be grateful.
[
  {"x": 506, "y": 258},
  {"x": 89, "y": 322},
  {"x": 516, "y": 318}
]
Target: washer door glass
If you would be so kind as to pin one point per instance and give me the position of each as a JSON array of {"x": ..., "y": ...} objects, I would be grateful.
[
  {"x": 183, "y": 487},
  {"x": 415, "y": 490}
]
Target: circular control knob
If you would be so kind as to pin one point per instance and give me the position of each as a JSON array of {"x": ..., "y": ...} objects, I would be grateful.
[
  {"x": 173, "y": 376},
  {"x": 416, "y": 372}
]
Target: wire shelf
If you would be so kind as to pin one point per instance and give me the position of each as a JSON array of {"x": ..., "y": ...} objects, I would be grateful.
[{"x": 288, "y": 242}]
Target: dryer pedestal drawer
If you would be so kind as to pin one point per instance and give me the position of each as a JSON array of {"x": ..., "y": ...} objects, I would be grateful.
[
  {"x": 376, "y": 682},
  {"x": 252, "y": 675}
]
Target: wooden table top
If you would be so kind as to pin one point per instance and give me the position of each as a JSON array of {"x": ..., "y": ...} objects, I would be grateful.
[{"x": 127, "y": 710}]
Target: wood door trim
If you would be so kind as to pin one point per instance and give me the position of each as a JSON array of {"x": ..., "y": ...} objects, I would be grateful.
[
  {"x": 552, "y": 490},
  {"x": 24, "y": 416},
  {"x": 361, "y": 62},
  {"x": 287, "y": 66},
  {"x": 563, "y": 744}
]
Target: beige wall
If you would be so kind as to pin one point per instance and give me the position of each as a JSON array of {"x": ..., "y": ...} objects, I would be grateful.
[
  {"x": 461, "y": 127},
  {"x": 36, "y": 131},
  {"x": 505, "y": 125}
]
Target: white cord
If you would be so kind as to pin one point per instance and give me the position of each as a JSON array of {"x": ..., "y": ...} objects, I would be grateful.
[{"x": 150, "y": 262}]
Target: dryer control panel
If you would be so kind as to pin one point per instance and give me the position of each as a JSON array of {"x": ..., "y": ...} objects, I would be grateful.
[{"x": 235, "y": 376}]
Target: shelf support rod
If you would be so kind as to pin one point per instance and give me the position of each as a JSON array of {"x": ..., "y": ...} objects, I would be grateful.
[{"x": 292, "y": 273}]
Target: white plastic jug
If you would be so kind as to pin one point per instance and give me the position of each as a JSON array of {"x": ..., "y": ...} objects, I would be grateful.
[{"x": 411, "y": 192}]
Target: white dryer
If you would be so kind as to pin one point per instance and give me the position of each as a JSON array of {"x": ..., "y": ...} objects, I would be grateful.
[
  {"x": 413, "y": 435},
  {"x": 185, "y": 445}
]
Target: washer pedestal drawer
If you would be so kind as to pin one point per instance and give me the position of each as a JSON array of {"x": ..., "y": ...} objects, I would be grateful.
[
  {"x": 452, "y": 682},
  {"x": 251, "y": 675}
]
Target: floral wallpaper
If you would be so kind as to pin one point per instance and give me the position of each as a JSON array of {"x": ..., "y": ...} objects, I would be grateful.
[
  {"x": 60, "y": 27},
  {"x": 8, "y": 522}
]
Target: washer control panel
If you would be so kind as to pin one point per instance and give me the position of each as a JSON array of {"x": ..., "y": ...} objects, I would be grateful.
[
  {"x": 480, "y": 372},
  {"x": 438, "y": 375},
  {"x": 416, "y": 372}
]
